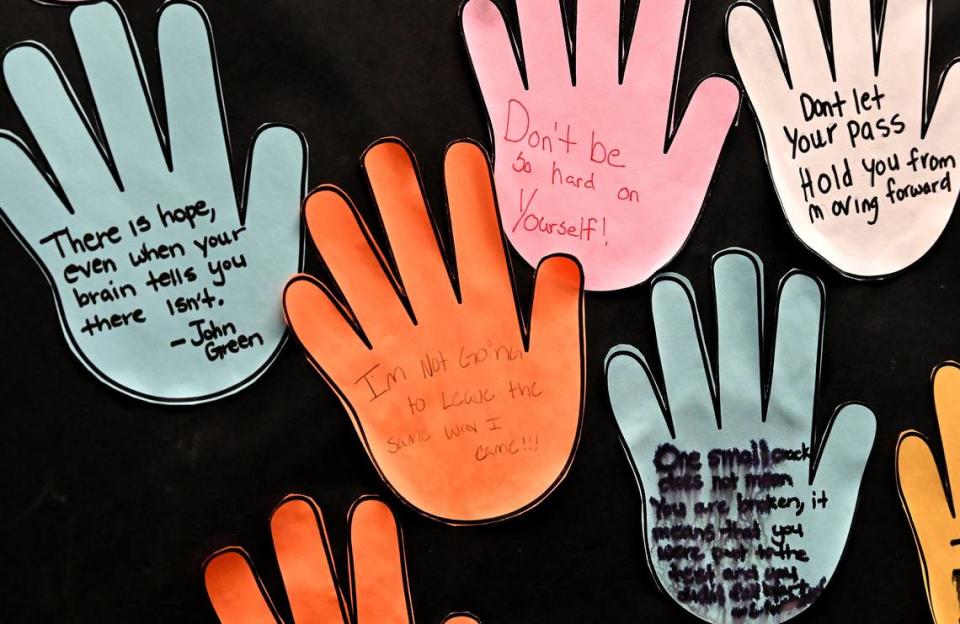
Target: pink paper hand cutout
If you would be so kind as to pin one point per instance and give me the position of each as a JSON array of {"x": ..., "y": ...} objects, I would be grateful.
[{"x": 601, "y": 170}]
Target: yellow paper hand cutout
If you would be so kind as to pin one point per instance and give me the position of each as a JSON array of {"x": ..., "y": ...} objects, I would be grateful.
[{"x": 931, "y": 504}]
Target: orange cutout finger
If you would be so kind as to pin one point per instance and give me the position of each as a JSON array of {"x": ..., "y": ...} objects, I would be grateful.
[
  {"x": 234, "y": 590},
  {"x": 320, "y": 325},
  {"x": 378, "y": 585},
  {"x": 482, "y": 268},
  {"x": 413, "y": 239},
  {"x": 350, "y": 254},
  {"x": 378, "y": 572},
  {"x": 299, "y": 537},
  {"x": 557, "y": 306}
]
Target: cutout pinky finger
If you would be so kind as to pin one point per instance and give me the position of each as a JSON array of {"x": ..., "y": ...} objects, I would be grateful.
[
  {"x": 235, "y": 591},
  {"x": 321, "y": 326},
  {"x": 29, "y": 206},
  {"x": 755, "y": 55},
  {"x": 491, "y": 52}
]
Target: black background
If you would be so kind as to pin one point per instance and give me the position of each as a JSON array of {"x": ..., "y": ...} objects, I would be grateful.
[{"x": 109, "y": 506}]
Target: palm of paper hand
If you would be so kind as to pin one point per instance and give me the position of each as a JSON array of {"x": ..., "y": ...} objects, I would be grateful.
[
  {"x": 864, "y": 175},
  {"x": 161, "y": 280},
  {"x": 422, "y": 405},
  {"x": 735, "y": 525},
  {"x": 585, "y": 169}
]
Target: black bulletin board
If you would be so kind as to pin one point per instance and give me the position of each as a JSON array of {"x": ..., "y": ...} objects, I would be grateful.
[{"x": 109, "y": 506}]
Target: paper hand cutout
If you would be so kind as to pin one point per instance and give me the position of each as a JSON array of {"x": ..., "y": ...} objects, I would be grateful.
[
  {"x": 166, "y": 290},
  {"x": 928, "y": 501},
  {"x": 864, "y": 169},
  {"x": 604, "y": 171},
  {"x": 747, "y": 510},
  {"x": 467, "y": 416},
  {"x": 377, "y": 576}
]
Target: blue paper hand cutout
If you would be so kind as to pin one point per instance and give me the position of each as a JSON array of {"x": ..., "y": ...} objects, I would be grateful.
[
  {"x": 166, "y": 276},
  {"x": 747, "y": 509}
]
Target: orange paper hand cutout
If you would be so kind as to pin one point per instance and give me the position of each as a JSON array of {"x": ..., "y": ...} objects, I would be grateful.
[
  {"x": 466, "y": 415},
  {"x": 377, "y": 571},
  {"x": 931, "y": 505}
]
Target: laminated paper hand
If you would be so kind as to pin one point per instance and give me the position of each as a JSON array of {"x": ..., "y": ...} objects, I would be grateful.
[
  {"x": 378, "y": 586},
  {"x": 930, "y": 503},
  {"x": 466, "y": 415},
  {"x": 747, "y": 509},
  {"x": 166, "y": 280},
  {"x": 862, "y": 153},
  {"x": 613, "y": 173}
]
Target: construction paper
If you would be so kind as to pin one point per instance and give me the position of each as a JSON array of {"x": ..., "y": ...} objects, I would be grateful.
[
  {"x": 166, "y": 274},
  {"x": 929, "y": 500},
  {"x": 613, "y": 172},
  {"x": 863, "y": 161},
  {"x": 746, "y": 506},
  {"x": 467, "y": 416},
  {"x": 378, "y": 587}
]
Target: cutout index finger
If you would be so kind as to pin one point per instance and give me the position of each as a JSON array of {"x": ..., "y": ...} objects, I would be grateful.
[
  {"x": 491, "y": 52},
  {"x": 755, "y": 55},
  {"x": 686, "y": 376}
]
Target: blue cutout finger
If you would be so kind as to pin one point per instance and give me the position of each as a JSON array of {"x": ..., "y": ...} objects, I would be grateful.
[
  {"x": 680, "y": 343},
  {"x": 195, "y": 122},
  {"x": 846, "y": 447},
  {"x": 796, "y": 359},
  {"x": 53, "y": 115},
  {"x": 30, "y": 206},
  {"x": 637, "y": 409},
  {"x": 114, "y": 69},
  {"x": 276, "y": 183},
  {"x": 738, "y": 286},
  {"x": 838, "y": 478}
]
